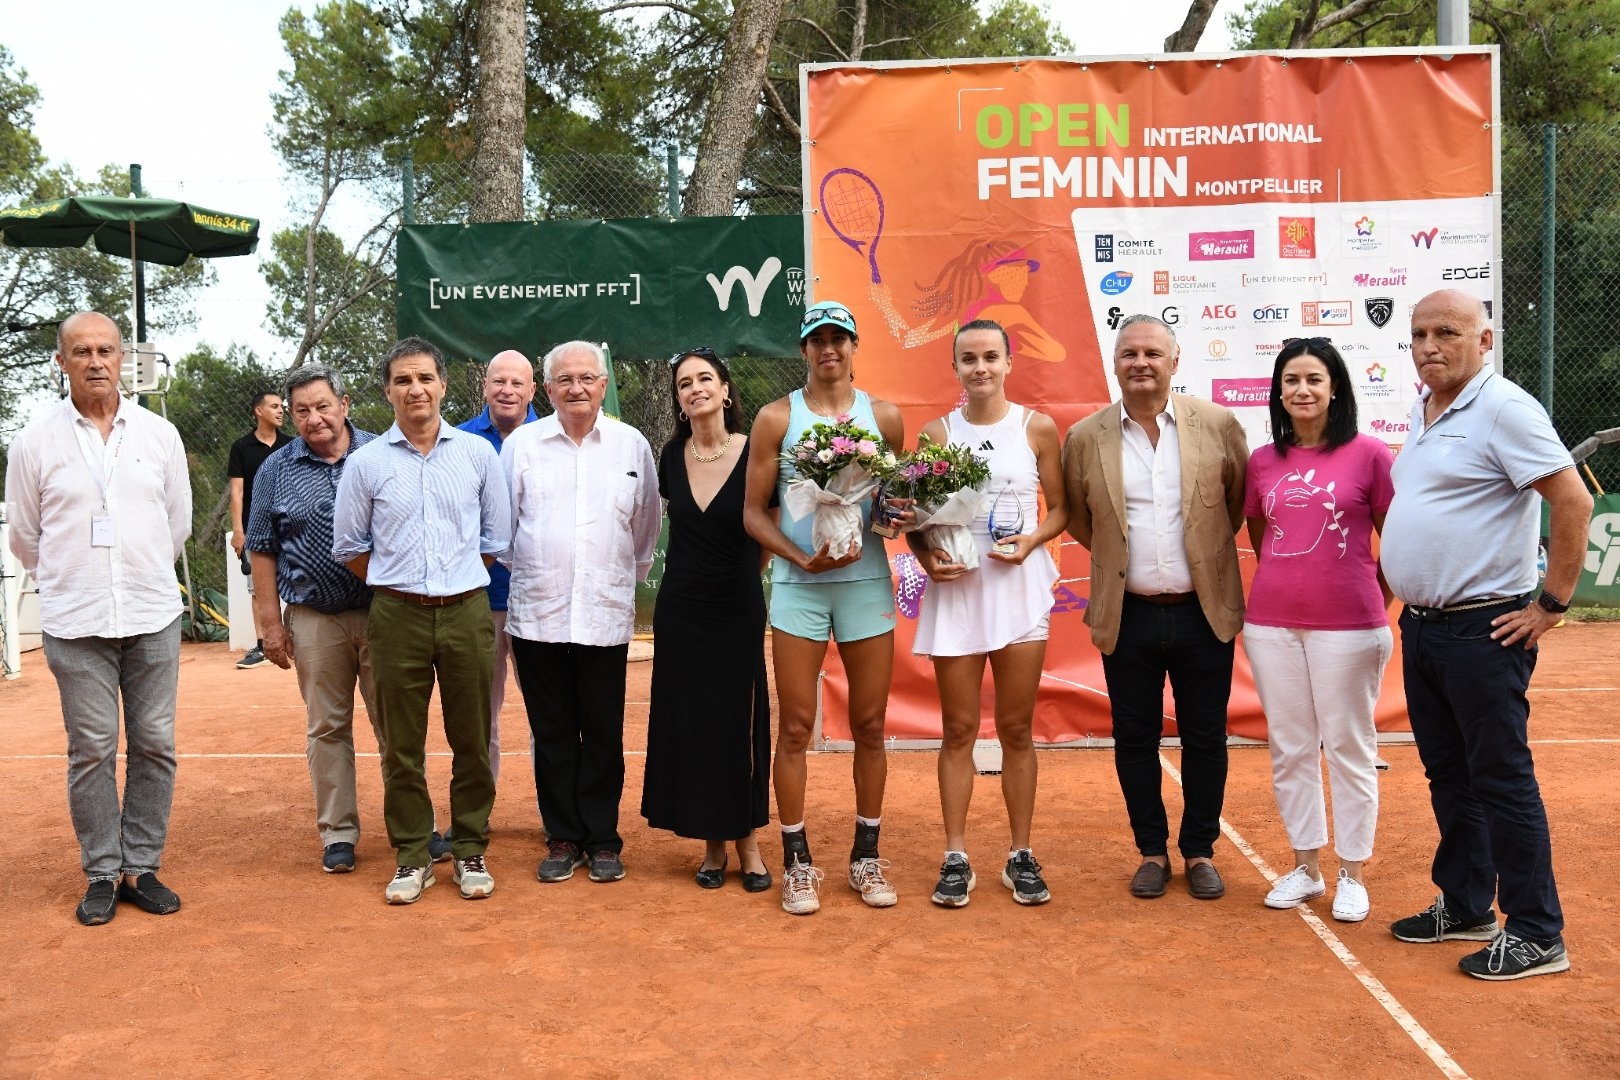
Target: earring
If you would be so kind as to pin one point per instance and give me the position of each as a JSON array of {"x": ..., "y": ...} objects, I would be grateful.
[{"x": 684, "y": 420}]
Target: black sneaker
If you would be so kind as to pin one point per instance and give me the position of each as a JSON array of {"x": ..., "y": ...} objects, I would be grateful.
[
  {"x": 338, "y": 858},
  {"x": 439, "y": 849},
  {"x": 606, "y": 866},
  {"x": 254, "y": 658},
  {"x": 956, "y": 880},
  {"x": 562, "y": 859},
  {"x": 1513, "y": 957},
  {"x": 1436, "y": 923},
  {"x": 1023, "y": 877}
]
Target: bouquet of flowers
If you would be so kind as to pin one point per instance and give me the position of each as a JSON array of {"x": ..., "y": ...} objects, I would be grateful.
[
  {"x": 947, "y": 481},
  {"x": 836, "y": 465}
]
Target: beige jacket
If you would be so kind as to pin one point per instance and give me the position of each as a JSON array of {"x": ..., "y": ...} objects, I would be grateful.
[{"x": 1214, "y": 460}]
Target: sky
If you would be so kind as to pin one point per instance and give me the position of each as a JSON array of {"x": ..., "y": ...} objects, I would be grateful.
[{"x": 182, "y": 87}]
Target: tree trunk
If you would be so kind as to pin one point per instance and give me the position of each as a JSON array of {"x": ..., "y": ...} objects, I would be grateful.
[
  {"x": 729, "y": 123},
  {"x": 498, "y": 114},
  {"x": 1192, "y": 28}
]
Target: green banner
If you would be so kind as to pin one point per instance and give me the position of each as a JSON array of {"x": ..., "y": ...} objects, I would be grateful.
[
  {"x": 645, "y": 287},
  {"x": 1600, "y": 576}
]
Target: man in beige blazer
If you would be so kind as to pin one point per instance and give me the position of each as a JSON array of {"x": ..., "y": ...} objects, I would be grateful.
[{"x": 1155, "y": 488}]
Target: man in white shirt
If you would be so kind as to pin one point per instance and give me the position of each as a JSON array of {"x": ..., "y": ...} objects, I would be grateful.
[
  {"x": 586, "y": 515},
  {"x": 100, "y": 505},
  {"x": 1155, "y": 489}
]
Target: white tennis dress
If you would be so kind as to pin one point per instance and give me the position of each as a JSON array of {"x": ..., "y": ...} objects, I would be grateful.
[{"x": 999, "y": 603}]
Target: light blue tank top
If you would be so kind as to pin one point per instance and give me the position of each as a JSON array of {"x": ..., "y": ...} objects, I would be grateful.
[{"x": 874, "y": 560}]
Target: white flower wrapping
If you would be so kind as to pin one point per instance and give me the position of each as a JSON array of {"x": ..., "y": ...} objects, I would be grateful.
[
  {"x": 946, "y": 525},
  {"x": 836, "y": 509}
]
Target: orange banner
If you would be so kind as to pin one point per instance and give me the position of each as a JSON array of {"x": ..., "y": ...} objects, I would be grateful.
[{"x": 1241, "y": 199}]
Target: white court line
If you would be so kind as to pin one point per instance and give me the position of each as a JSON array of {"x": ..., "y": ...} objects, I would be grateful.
[
  {"x": 1425, "y": 1042},
  {"x": 275, "y": 757},
  {"x": 1573, "y": 689}
]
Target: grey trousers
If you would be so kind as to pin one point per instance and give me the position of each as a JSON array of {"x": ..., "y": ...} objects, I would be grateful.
[
  {"x": 332, "y": 657},
  {"x": 91, "y": 674}
]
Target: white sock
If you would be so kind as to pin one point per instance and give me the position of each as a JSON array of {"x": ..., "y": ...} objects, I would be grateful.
[
  {"x": 873, "y": 822},
  {"x": 793, "y": 828}
]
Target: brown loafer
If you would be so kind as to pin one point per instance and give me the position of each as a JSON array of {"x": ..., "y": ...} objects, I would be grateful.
[
  {"x": 1204, "y": 881},
  {"x": 1150, "y": 881}
]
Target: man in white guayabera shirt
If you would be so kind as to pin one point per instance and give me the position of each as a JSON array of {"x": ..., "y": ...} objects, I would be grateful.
[{"x": 100, "y": 504}]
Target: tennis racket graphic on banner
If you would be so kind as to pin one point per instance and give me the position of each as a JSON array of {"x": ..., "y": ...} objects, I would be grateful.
[{"x": 853, "y": 207}]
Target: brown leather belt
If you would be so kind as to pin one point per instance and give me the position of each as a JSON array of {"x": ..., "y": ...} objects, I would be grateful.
[
  {"x": 1482, "y": 604},
  {"x": 1164, "y": 599},
  {"x": 426, "y": 601}
]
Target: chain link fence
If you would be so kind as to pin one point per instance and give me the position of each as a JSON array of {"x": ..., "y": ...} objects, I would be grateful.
[{"x": 208, "y": 394}]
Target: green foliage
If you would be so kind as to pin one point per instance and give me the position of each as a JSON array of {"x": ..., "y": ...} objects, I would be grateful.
[
  {"x": 364, "y": 328},
  {"x": 1558, "y": 56},
  {"x": 20, "y": 155}
]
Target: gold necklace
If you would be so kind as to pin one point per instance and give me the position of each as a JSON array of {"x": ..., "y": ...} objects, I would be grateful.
[
  {"x": 822, "y": 409},
  {"x": 717, "y": 455}
]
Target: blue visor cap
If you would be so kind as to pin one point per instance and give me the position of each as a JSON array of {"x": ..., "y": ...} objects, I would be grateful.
[{"x": 827, "y": 313}]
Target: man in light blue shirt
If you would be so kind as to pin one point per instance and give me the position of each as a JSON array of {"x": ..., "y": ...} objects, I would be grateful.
[{"x": 421, "y": 512}]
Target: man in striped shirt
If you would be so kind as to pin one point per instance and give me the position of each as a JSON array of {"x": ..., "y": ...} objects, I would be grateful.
[{"x": 421, "y": 512}]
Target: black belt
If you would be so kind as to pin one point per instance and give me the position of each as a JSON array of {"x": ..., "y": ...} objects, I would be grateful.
[
  {"x": 1483, "y": 604},
  {"x": 427, "y": 601},
  {"x": 1164, "y": 599}
]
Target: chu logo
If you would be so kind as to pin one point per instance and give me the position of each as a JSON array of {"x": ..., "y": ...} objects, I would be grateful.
[{"x": 1117, "y": 282}]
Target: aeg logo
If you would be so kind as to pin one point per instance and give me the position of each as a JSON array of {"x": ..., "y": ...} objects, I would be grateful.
[{"x": 1215, "y": 312}]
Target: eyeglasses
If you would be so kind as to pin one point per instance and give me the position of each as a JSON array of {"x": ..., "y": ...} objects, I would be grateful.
[
  {"x": 1310, "y": 342},
  {"x": 702, "y": 350},
  {"x": 568, "y": 382},
  {"x": 817, "y": 314}
]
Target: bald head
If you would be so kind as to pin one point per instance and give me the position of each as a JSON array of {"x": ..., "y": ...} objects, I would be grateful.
[
  {"x": 90, "y": 352},
  {"x": 1451, "y": 334},
  {"x": 508, "y": 390},
  {"x": 73, "y": 320}
]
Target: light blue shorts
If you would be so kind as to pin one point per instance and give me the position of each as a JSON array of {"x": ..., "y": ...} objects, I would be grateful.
[{"x": 842, "y": 610}]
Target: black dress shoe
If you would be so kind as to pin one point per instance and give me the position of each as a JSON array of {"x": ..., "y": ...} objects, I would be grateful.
[
  {"x": 756, "y": 882},
  {"x": 712, "y": 879},
  {"x": 1150, "y": 880},
  {"x": 149, "y": 894},
  {"x": 1204, "y": 881},
  {"x": 99, "y": 905}
]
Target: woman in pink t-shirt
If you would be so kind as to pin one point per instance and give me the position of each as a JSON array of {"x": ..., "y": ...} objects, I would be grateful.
[{"x": 1316, "y": 629}]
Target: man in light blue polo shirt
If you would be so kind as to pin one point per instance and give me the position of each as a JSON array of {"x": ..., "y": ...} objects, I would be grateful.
[
  {"x": 420, "y": 514},
  {"x": 1459, "y": 547}
]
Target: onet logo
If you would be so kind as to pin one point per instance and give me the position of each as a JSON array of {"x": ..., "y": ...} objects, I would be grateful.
[
  {"x": 1425, "y": 239},
  {"x": 754, "y": 285},
  {"x": 1603, "y": 556}
]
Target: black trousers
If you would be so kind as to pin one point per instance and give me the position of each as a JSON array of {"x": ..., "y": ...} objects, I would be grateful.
[
  {"x": 1174, "y": 641},
  {"x": 574, "y": 696}
]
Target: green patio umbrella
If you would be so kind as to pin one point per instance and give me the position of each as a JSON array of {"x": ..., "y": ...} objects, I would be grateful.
[{"x": 151, "y": 230}]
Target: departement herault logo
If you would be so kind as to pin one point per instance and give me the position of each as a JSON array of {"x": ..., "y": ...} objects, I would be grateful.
[{"x": 1228, "y": 244}]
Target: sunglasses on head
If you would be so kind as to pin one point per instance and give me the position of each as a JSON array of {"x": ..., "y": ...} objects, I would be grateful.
[
  {"x": 1311, "y": 342},
  {"x": 702, "y": 351},
  {"x": 815, "y": 315}
]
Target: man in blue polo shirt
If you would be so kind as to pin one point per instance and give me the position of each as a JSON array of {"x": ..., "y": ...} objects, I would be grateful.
[
  {"x": 323, "y": 631},
  {"x": 1480, "y": 453}
]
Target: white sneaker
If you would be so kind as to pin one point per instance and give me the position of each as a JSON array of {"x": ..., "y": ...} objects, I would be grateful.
[
  {"x": 474, "y": 878},
  {"x": 1350, "y": 903},
  {"x": 408, "y": 883},
  {"x": 801, "y": 888},
  {"x": 866, "y": 877},
  {"x": 1294, "y": 888}
]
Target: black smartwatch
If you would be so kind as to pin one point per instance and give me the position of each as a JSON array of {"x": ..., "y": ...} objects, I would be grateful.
[{"x": 1550, "y": 604}]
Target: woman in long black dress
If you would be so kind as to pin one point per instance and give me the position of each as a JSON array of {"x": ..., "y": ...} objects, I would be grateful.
[{"x": 709, "y": 733}]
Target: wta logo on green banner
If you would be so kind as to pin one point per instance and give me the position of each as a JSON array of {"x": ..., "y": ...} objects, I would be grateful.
[{"x": 644, "y": 287}]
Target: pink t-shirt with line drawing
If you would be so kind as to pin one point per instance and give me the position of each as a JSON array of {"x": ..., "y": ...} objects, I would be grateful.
[{"x": 1316, "y": 569}]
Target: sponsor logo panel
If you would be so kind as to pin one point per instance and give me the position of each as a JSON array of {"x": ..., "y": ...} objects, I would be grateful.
[
  {"x": 1240, "y": 393},
  {"x": 1296, "y": 237},
  {"x": 1325, "y": 313},
  {"x": 1228, "y": 244}
]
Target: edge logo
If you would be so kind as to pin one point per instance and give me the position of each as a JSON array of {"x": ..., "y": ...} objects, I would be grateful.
[
  {"x": 1379, "y": 310},
  {"x": 1467, "y": 273},
  {"x": 1117, "y": 282}
]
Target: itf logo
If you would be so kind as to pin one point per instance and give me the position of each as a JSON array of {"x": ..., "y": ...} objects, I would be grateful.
[
  {"x": 1603, "y": 556},
  {"x": 1425, "y": 240},
  {"x": 754, "y": 285}
]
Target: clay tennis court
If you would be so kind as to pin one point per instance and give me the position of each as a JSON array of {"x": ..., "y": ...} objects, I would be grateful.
[{"x": 274, "y": 968}]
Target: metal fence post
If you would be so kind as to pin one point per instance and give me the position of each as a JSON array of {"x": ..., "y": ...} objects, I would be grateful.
[
  {"x": 1549, "y": 257},
  {"x": 672, "y": 159},
  {"x": 407, "y": 180}
]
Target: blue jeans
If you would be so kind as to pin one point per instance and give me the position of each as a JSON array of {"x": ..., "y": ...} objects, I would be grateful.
[
  {"x": 1465, "y": 695},
  {"x": 91, "y": 673},
  {"x": 1175, "y": 641}
]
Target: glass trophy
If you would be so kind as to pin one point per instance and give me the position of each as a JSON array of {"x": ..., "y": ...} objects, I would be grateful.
[
  {"x": 1006, "y": 521},
  {"x": 888, "y": 503}
]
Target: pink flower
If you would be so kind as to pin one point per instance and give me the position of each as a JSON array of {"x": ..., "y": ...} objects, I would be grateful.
[
  {"x": 844, "y": 418},
  {"x": 941, "y": 467},
  {"x": 843, "y": 444},
  {"x": 866, "y": 447}
]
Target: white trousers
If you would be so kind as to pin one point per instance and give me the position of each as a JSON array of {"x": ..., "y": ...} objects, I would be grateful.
[{"x": 1319, "y": 689}]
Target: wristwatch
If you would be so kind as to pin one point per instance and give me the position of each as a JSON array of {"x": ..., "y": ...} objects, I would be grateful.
[{"x": 1549, "y": 603}]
